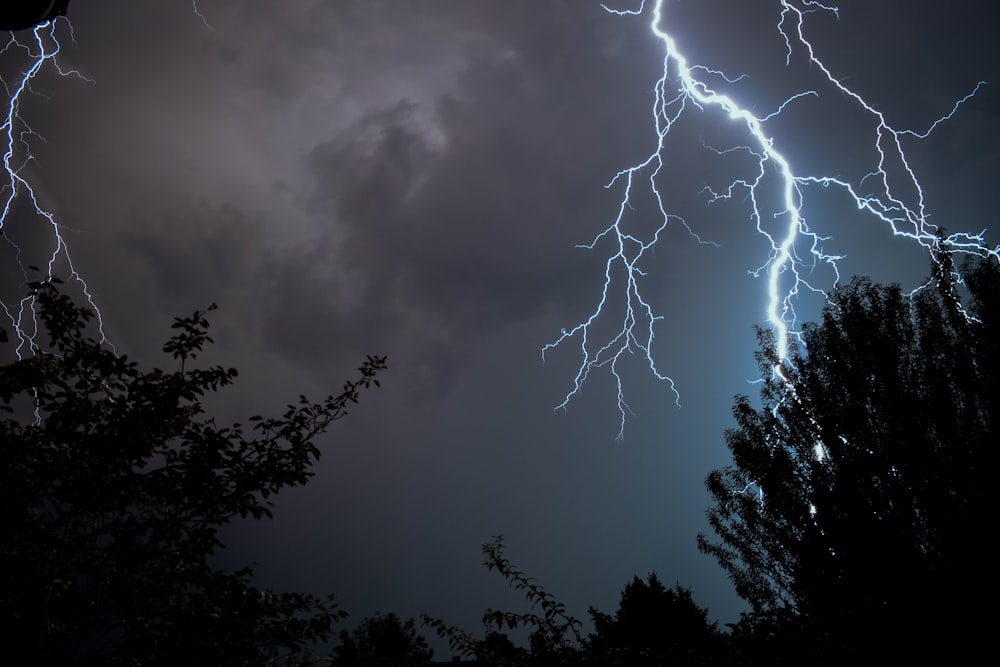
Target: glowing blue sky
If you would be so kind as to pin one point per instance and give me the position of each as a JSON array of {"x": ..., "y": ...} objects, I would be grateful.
[{"x": 346, "y": 178}]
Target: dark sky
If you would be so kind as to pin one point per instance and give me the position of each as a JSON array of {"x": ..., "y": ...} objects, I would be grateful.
[{"x": 411, "y": 179}]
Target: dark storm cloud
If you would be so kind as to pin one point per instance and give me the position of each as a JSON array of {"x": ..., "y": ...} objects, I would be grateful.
[
  {"x": 399, "y": 181},
  {"x": 345, "y": 179},
  {"x": 187, "y": 257},
  {"x": 448, "y": 237}
]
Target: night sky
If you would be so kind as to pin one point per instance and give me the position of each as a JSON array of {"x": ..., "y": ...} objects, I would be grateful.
[{"x": 411, "y": 179}]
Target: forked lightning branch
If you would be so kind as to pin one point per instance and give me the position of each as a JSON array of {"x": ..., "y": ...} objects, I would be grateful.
[{"x": 686, "y": 88}]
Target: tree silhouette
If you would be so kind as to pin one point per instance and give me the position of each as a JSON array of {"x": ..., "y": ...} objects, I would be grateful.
[
  {"x": 114, "y": 484},
  {"x": 554, "y": 638},
  {"x": 383, "y": 641},
  {"x": 853, "y": 514},
  {"x": 654, "y": 625}
]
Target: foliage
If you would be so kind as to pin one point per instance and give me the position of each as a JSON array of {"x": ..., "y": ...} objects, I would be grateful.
[
  {"x": 383, "y": 641},
  {"x": 654, "y": 625},
  {"x": 114, "y": 484},
  {"x": 555, "y": 635},
  {"x": 857, "y": 497},
  {"x": 552, "y": 628}
]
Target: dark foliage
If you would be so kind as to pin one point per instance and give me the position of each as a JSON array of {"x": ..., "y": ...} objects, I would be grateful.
[
  {"x": 554, "y": 639},
  {"x": 113, "y": 487},
  {"x": 854, "y": 515},
  {"x": 654, "y": 625},
  {"x": 383, "y": 641}
]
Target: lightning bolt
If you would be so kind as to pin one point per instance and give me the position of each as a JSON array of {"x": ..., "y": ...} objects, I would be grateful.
[
  {"x": 20, "y": 201},
  {"x": 197, "y": 12},
  {"x": 795, "y": 249},
  {"x": 19, "y": 197}
]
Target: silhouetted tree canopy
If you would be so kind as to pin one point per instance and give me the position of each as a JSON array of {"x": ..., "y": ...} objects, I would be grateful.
[
  {"x": 383, "y": 641},
  {"x": 854, "y": 516},
  {"x": 554, "y": 637},
  {"x": 114, "y": 484},
  {"x": 654, "y": 625}
]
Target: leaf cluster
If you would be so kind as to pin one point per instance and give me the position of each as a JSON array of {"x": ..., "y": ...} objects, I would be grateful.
[
  {"x": 114, "y": 485},
  {"x": 554, "y": 637}
]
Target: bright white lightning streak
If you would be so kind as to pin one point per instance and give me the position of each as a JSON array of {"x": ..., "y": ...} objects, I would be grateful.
[
  {"x": 42, "y": 51},
  {"x": 683, "y": 86}
]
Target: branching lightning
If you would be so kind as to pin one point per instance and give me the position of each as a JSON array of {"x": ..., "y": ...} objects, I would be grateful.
[
  {"x": 19, "y": 196},
  {"x": 684, "y": 89},
  {"x": 19, "y": 199}
]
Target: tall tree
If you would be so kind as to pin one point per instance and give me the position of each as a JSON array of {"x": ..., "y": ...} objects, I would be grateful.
[
  {"x": 114, "y": 484},
  {"x": 853, "y": 516}
]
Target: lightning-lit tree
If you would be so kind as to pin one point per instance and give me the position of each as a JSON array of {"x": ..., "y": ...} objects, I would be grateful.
[
  {"x": 114, "y": 484},
  {"x": 854, "y": 514}
]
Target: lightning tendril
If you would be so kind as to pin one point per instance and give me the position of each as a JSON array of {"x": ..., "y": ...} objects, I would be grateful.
[
  {"x": 683, "y": 89},
  {"x": 20, "y": 202}
]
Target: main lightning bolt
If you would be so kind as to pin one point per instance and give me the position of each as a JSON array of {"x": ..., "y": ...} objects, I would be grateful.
[
  {"x": 684, "y": 88},
  {"x": 19, "y": 199}
]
